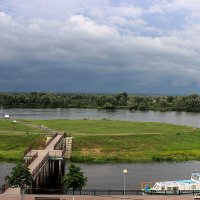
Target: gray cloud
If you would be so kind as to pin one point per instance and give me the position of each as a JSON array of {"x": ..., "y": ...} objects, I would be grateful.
[{"x": 81, "y": 55}]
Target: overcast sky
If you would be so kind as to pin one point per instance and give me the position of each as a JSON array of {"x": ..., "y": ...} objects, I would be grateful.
[{"x": 145, "y": 46}]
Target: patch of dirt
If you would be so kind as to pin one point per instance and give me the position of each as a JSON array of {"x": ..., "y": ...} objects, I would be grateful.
[{"x": 94, "y": 151}]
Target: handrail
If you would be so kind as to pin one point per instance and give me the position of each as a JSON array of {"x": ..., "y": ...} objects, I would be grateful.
[
  {"x": 98, "y": 192},
  {"x": 92, "y": 192},
  {"x": 4, "y": 187},
  {"x": 56, "y": 144},
  {"x": 64, "y": 149},
  {"x": 38, "y": 167},
  {"x": 50, "y": 140},
  {"x": 28, "y": 162},
  {"x": 27, "y": 150}
]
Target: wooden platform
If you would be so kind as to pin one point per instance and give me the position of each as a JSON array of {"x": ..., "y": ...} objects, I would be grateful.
[
  {"x": 41, "y": 156},
  {"x": 42, "y": 153}
]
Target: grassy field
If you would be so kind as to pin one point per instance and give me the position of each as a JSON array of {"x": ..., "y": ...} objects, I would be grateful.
[
  {"x": 119, "y": 141},
  {"x": 15, "y": 138}
]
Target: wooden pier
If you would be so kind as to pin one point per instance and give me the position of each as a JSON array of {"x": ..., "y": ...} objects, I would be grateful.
[{"x": 45, "y": 162}]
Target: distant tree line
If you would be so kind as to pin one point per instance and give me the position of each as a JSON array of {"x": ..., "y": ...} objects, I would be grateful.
[{"x": 189, "y": 103}]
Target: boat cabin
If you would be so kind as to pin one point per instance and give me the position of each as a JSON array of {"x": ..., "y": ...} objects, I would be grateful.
[
  {"x": 191, "y": 184},
  {"x": 195, "y": 176}
]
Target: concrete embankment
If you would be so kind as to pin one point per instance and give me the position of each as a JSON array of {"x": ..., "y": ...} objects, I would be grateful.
[{"x": 79, "y": 197}]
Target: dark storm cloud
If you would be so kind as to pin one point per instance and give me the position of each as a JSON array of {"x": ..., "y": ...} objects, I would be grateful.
[{"x": 81, "y": 55}]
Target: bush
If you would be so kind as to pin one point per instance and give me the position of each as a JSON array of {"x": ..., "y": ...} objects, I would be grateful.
[{"x": 161, "y": 159}]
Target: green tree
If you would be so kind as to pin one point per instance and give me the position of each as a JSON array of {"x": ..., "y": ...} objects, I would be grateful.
[
  {"x": 122, "y": 98},
  {"x": 108, "y": 105},
  {"x": 132, "y": 104},
  {"x": 20, "y": 177},
  {"x": 75, "y": 179}
]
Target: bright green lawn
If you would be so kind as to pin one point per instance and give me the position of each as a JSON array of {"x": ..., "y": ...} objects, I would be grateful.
[
  {"x": 15, "y": 138},
  {"x": 121, "y": 141}
]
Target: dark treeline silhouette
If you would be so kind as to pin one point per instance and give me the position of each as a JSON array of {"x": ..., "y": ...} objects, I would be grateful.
[{"x": 189, "y": 103}]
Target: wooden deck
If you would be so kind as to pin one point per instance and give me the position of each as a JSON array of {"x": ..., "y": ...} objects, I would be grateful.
[
  {"x": 41, "y": 156},
  {"x": 42, "y": 153}
]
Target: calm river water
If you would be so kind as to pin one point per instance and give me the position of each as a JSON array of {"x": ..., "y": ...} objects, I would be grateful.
[
  {"x": 183, "y": 118},
  {"x": 110, "y": 176}
]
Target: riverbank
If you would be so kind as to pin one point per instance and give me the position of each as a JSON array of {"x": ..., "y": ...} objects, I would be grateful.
[
  {"x": 101, "y": 101},
  {"x": 15, "y": 138},
  {"x": 101, "y": 141}
]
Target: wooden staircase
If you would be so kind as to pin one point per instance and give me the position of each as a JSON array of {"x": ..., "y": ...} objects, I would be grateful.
[{"x": 68, "y": 147}]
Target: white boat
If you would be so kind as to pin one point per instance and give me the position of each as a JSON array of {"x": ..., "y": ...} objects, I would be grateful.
[
  {"x": 197, "y": 197},
  {"x": 175, "y": 186},
  {"x": 6, "y": 116}
]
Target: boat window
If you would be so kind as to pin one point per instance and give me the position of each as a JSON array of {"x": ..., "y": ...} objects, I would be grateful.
[
  {"x": 193, "y": 187},
  {"x": 169, "y": 188},
  {"x": 156, "y": 187},
  {"x": 195, "y": 177},
  {"x": 163, "y": 188}
]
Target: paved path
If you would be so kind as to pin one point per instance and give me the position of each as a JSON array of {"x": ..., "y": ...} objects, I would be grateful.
[
  {"x": 68, "y": 197},
  {"x": 40, "y": 127}
]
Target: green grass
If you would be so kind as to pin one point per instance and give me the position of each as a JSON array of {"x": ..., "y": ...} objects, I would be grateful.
[
  {"x": 7, "y": 125},
  {"x": 15, "y": 138},
  {"x": 102, "y": 141}
]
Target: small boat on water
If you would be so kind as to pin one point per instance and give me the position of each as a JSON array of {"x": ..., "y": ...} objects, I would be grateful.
[{"x": 172, "y": 187}]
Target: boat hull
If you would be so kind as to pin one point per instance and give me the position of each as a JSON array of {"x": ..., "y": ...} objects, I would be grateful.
[{"x": 178, "y": 192}]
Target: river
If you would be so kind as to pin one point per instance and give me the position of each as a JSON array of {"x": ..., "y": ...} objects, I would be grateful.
[
  {"x": 180, "y": 118},
  {"x": 5, "y": 169},
  {"x": 110, "y": 176}
]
